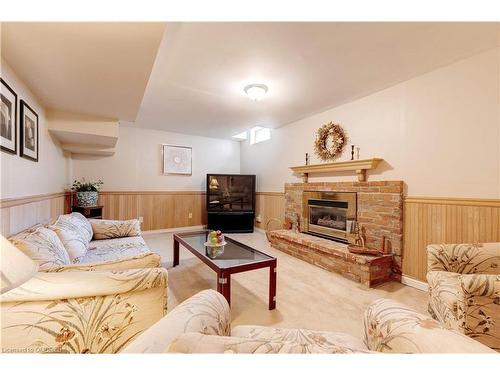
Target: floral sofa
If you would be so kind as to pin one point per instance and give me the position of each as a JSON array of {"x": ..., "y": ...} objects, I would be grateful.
[
  {"x": 73, "y": 243},
  {"x": 202, "y": 324},
  {"x": 65, "y": 308},
  {"x": 82, "y": 312},
  {"x": 464, "y": 289}
]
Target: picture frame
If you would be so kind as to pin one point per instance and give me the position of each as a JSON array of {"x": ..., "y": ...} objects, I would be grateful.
[
  {"x": 28, "y": 133},
  {"x": 177, "y": 160},
  {"x": 8, "y": 118}
]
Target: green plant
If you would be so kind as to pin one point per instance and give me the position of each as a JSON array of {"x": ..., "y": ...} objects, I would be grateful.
[{"x": 83, "y": 185}]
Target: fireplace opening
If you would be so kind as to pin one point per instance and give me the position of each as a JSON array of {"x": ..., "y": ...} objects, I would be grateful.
[
  {"x": 330, "y": 214},
  {"x": 329, "y": 217}
]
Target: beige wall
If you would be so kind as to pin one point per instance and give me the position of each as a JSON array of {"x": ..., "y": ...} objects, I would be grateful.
[
  {"x": 21, "y": 177},
  {"x": 438, "y": 132},
  {"x": 137, "y": 163}
]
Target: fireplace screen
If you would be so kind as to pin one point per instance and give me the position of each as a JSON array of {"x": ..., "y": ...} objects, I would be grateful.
[
  {"x": 328, "y": 217},
  {"x": 329, "y": 214}
]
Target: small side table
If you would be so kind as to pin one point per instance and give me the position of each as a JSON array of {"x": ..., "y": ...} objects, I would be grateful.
[{"x": 92, "y": 212}]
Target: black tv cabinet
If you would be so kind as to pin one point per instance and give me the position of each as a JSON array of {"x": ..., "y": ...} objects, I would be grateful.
[
  {"x": 231, "y": 222},
  {"x": 231, "y": 202}
]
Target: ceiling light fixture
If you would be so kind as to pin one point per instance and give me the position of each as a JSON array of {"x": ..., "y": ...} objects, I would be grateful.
[{"x": 256, "y": 91}]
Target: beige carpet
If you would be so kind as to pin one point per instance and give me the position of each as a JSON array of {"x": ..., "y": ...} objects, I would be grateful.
[{"x": 307, "y": 296}]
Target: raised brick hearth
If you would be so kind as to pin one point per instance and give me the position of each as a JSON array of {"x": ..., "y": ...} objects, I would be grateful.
[
  {"x": 333, "y": 256},
  {"x": 379, "y": 212}
]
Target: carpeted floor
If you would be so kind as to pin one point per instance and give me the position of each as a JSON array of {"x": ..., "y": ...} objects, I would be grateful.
[{"x": 307, "y": 296}]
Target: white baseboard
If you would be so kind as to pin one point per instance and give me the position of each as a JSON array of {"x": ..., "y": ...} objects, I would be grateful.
[
  {"x": 414, "y": 283},
  {"x": 178, "y": 229}
]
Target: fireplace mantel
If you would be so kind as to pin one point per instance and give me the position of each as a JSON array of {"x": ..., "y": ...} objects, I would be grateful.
[{"x": 360, "y": 166}]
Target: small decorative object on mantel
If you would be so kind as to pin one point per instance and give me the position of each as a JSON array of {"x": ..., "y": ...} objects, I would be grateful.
[
  {"x": 307, "y": 158},
  {"x": 330, "y": 141},
  {"x": 86, "y": 192},
  {"x": 352, "y": 152},
  {"x": 357, "y": 153}
]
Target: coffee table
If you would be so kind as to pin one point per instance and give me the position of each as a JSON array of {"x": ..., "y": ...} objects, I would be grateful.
[{"x": 232, "y": 258}]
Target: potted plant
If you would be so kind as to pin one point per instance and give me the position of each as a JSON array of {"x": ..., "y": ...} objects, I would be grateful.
[{"x": 86, "y": 192}]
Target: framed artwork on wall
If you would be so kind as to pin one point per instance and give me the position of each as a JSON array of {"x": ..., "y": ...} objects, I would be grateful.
[
  {"x": 177, "y": 159},
  {"x": 28, "y": 132},
  {"x": 8, "y": 118}
]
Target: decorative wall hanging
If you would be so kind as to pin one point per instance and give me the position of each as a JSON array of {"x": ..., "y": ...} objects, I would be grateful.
[
  {"x": 330, "y": 141},
  {"x": 8, "y": 118},
  {"x": 29, "y": 132},
  {"x": 177, "y": 159}
]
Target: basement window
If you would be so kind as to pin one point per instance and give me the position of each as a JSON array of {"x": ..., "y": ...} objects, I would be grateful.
[
  {"x": 243, "y": 136},
  {"x": 259, "y": 134}
]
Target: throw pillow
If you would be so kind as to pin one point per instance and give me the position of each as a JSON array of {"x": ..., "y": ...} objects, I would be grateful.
[
  {"x": 43, "y": 246},
  {"x": 105, "y": 229},
  {"x": 75, "y": 232}
]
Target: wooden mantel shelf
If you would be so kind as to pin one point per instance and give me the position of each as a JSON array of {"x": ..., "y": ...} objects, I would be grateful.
[{"x": 360, "y": 166}]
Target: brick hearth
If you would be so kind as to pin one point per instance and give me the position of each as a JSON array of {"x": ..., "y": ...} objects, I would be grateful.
[
  {"x": 380, "y": 213},
  {"x": 333, "y": 256}
]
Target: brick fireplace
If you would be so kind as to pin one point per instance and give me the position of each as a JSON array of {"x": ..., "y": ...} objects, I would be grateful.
[{"x": 379, "y": 212}]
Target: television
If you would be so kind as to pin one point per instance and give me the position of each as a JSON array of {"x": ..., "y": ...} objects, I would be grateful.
[{"x": 231, "y": 202}]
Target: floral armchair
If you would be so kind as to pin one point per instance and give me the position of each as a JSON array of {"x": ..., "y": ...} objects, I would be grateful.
[
  {"x": 82, "y": 312},
  {"x": 464, "y": 289},
  {"x": 202, "y": 324}
]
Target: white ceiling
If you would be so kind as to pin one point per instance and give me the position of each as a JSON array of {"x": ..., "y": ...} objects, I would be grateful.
[
  {"x": 196, "y": 85},
  {"x": 98, "y": 68}
]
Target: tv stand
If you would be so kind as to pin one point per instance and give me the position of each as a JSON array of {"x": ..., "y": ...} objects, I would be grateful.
[{"x": 231, "y": 222}]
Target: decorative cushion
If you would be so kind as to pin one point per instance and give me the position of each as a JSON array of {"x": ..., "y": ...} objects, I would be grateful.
[
  {"x": 105, "y": 229},
  {"x": 114, "y": 249},
  {"x": 43, "y": 246},
  {"x": 75, "y": 233}
]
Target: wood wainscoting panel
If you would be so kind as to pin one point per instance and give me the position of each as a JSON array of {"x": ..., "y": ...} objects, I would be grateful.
[
  {"x": 427, "y": 220},
  {"x": 159, "y": 209},
  {"x": 17, "y": 214},
  {"x": 445, "y": 220},
  {"x": 270, "y": 205}
]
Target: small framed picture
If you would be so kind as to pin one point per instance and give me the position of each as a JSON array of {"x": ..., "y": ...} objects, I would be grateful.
[
  {"x": 177, "y": 159},
  {"x": 29, "y": 132},
  {"x": 8, "y": 118}
]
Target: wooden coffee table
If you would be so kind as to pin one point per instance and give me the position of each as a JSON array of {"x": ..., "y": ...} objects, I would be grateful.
[{"x": 234, "y": 257}]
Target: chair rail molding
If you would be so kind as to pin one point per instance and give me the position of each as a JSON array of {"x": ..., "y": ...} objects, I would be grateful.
[{"x": 17, "y": 214}]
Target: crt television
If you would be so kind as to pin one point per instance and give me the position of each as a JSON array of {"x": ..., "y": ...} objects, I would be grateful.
[{"x": 231, "y": 202}]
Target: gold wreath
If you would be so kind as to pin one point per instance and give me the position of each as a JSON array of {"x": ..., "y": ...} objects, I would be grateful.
[{"x": 339, "y": 140}]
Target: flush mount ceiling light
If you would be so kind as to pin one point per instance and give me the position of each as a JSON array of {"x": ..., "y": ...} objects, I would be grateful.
[{"x": 256, "y": 91}]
